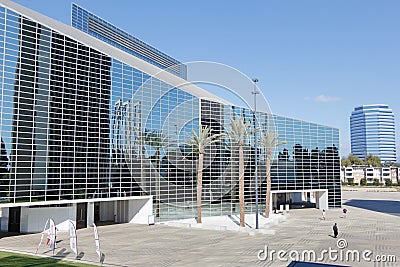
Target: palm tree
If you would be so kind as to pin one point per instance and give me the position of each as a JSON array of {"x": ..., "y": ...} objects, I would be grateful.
[
  {"x": 155, "y": 139},
  {"x": 238, "y": 132},
  {"x": 269, "y": 140},
  {"x": 198, "y": 144}
]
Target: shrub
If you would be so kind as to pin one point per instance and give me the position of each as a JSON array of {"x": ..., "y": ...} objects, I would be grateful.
[
  {"x": 388, "y": 182},
  {"x": 363, "y": 181}
]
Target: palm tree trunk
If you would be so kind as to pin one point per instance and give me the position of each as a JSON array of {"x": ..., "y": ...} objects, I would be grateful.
[
  {"x": 234, "y": 190},
  {"x": 199, "y": 186},
  {"x": 158, "y": 183},
  {"x": 241, "y": 184},
  {"x": 268, "y": 193}
]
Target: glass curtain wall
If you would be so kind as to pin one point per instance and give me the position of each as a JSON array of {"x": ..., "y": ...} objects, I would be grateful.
[
  {"x": 78, "y": 124},
  {"x": 308, "y": 161},
  {"x": 105, "y": 31}
]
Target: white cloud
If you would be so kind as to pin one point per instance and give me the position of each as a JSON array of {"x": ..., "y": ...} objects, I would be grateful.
[{"x": 323, "y": 98}]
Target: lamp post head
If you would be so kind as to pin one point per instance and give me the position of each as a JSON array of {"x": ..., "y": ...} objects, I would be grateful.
[{"x": 255, "y": 92}]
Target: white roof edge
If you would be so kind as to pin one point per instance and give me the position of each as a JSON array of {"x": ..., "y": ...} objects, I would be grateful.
[
  {"x": 66, "y": 201},
  {"x": 112, "y": 51}
]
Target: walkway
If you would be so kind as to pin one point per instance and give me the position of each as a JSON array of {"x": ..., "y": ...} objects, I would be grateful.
[{"x": 161, "y": 245}]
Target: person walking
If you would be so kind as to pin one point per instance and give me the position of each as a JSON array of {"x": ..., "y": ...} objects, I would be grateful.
[
  {"x": 323, "y": 215},
  {"x": 335, "y": 230},
  {"x": 344, "y": 212}
]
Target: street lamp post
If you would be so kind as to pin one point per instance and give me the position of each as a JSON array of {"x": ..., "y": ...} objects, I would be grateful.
[{"x": 255, "y": 93}]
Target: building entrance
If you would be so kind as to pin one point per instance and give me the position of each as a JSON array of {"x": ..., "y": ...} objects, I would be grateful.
[
  {"x": 81, "y": 215},
  {"x": 14, "y": 219},
  {"x": 299, "y": 199}
]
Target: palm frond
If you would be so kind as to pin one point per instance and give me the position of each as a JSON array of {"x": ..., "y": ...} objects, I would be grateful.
[
  {"x": 269, "y": 140},
  {"x": 203, "y": 139},
  {"x": 238, "y": 130},
  {"x": 154, "y": 138}
]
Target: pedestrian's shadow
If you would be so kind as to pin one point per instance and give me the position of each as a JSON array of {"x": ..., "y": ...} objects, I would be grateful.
[
  {"x": 332, "y": 236},
  {"x": 62, "y": 253},
  {"x": 80, "y": 255}
]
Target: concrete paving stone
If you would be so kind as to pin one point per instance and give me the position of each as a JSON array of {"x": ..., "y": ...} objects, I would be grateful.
[
  {"x": 161, "y": 245},
  {"x": 267, "y": 231}
]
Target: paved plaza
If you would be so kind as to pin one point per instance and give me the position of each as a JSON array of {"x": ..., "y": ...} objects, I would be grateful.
[{"x": 365, "y": 228}]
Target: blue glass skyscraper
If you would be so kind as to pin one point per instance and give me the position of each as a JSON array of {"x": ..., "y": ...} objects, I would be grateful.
[{"x": 372, "y": 130}]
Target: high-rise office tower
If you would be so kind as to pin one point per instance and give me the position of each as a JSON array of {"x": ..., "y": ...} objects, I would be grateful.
[{"x": 372, "y": 131}]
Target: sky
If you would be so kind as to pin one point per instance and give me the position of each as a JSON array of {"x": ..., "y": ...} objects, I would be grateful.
[{"x": 315, "y": 59}]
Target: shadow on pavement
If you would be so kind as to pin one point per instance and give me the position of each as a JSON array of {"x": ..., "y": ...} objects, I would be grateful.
[
  {"x": 7, "y": 234},
  {"x": 386, "y": 206},
  {"x": 80, "y": 255},
  {"x": 62, "y": 253}
]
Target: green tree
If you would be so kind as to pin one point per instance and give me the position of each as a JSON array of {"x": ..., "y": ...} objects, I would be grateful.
[
  {"x": 388, "y": 182},
  {"x": 345, "y": 162},
  {"x": 363, "y": 181},
  {"x": 376, "y": 182},
  {"x": 199, "y": 143},
  {"x": 373, "y": 161},
  {"x": 350, "y": 181},
  {"x": 238, "y": 132},
  {"x": 269, "y": 141},
  {"x": 355, "y": 161},
  {"x": 390, "y": 164}
]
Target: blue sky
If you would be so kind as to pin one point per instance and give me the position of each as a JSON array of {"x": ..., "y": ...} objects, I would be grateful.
[{"x": 315, "y": 60}]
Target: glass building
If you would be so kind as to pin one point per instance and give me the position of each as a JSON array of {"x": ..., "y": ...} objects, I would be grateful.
[
  {"x": 372, "y": 130},
  {"x": 103, "y": 30},
  {"x": 83, "y": 120}
]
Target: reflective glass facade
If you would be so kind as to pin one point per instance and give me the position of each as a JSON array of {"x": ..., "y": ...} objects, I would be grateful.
[
  {"x": 77, "y": 123},
  {"x": 372, "y": 130},
  {"x": 308, "y": 161},
  {"x": 99, "y": 28}
]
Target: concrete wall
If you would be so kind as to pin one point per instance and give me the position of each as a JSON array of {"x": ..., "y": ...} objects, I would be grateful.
[
  {"x": 322, "y": 200},
  {"x": 107, "y": 211},
  {"x": 134, "y": 210},
  {"x": 313, "y": 197},
  {"x": 4, "y": 219},
  {"x": 122, "y": 215},
  {"x": 34, "y": 219},
  {"x": 140, "y": 209},
  {"x": 90, "y": 214},
  {"x": 319, "y": 197},
  {"x": 126, "y": 211}
]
